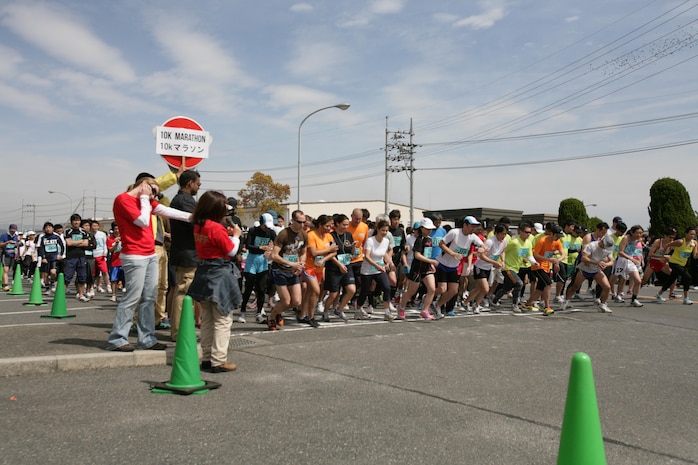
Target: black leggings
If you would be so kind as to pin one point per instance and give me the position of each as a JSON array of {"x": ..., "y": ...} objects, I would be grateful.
[
  {"x": 382, "y": 285},
  {"x": 676, "y": 271},
  {"x": 258, "y": 282}
]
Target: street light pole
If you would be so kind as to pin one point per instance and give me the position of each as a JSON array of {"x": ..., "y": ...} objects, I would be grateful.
[
  {"x": 69, "y": 198},
  {"x": 341, "y": 106}
]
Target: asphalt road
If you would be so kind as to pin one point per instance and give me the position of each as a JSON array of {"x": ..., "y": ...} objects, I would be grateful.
[{"x": 486, "y": 389}]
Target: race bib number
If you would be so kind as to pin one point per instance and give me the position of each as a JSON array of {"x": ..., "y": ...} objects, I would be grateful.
[
  {"x": 291, "y": 258},
  {"x": 549, "y": 254},
  {"x": 51, "y": 248},
  {"x": 261, "y": 241},
  {"x": 427, "y": 252},
  {"x": 524, "y": 252},
  {"x": 344, "y": 258},
  {"x": 684, "y": 254},
  {"x": 373, "y": 269},
  {"x": 435, "y": 241},
  {"x": 318, "y": 259},
  {"x": 357, "y": 252},
  {"x": 462, "y": 250}
]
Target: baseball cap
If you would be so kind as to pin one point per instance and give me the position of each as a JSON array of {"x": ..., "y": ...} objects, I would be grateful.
[
  {"x": 556, "y": 229},
  {"x": 608, "y": 242},
  {"x": 427, "y": 223},
  {"x": 470, "y": 220},
  {"x": 538, "y": 227},
  {"x": 144, "y": 175},
  {"x": 267, "y": 220},
  {"x": 232, "y": 203},
  {"x": 415, "y": 225},
  {"x": 617, "y": 219},
  {"x": 31, "y": 233}
]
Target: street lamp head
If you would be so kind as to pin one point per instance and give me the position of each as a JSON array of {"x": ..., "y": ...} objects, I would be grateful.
[{"x": 343, "y": 106}]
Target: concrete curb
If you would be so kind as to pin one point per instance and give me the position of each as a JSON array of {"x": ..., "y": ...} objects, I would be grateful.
[{"x": 58, "y": 363}]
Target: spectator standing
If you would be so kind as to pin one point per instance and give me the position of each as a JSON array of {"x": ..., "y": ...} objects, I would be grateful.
[
  {"x": 132, "y": 212},
  {"x": 77, "y": 240}
]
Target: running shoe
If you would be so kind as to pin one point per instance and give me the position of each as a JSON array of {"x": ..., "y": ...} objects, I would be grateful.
[
  {"x": 425, "y": 315},
  {"x": 530, "y": 308},
  {"x": 565, "y": 304},
  {"x": 476, "y": 310},
  {"x": 636, "y": 303},
  {"x": 548, "y": 311},
  {"x": 261, "y": 317},
  {"x": 558, "y": 299},
  {"x": 279, "y": 320},
  {"x": 271, "y": 324},
  {"x": 241, "y": 318},
  {"x": 660, "y": 298},
  {"x": 388, "y": 317},
  {"x": 619, "y": 299},
  {"x": 687, "y": 301},
  {"x": 340, "y": 314},
  {"x": 360, "y": 314},
  {"x": 515, "y": 308},
  {"x": 401, "y": 314},
  {"x": 451, "y": 313},
  {"x": 603, "y": 308}
]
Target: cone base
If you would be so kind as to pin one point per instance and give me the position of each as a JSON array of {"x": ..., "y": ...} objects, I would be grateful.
[
  {"x": 34, "y": 303},
  {"x": 166, "y": 388},
  {"x": 16, "y": 293},
  {"x": 57, "y": 316}
]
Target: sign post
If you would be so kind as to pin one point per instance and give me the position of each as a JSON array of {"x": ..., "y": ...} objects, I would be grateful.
[{"x": 181, "y": 140}]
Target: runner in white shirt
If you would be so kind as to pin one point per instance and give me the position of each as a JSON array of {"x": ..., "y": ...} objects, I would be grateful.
[
  {"x": 455, "y": 247},
  {"x": 493, "y": 258}
]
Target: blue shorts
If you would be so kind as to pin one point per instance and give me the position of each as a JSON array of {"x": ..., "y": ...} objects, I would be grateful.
[
  {"x": 284, "y": 278},
  {"x": 116, "y": 274},
  {"x": 256, "y": 263},
  {"x": 589, "y": 274}
]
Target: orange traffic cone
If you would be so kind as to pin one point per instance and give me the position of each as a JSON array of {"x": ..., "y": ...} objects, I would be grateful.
[
  {"x": 581, "y": 441},
  {"x": 185, "y": 377},
  {"x": 58, "y": 308}
]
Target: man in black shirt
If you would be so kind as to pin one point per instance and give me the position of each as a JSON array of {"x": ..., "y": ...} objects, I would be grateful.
[{"x": 182, "y": 250}]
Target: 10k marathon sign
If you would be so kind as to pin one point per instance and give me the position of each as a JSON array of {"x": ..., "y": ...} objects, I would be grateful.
[{"x": 181, "y": 139}]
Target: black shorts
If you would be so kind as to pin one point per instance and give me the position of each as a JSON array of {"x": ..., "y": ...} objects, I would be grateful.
[
  {"x": 336, "y": 280},
  {"x": 445, "y": 274},
  {"x": 561, "y": 276},
  {"x": 479, "y": 273},
  {"x": 284, "y": 278},
  {"x": 543, "y": 279}
]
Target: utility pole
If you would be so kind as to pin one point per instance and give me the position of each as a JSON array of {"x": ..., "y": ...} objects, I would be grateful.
[
  {"x": 399, "y": 156},
  {"x": 29, "y": 207}
]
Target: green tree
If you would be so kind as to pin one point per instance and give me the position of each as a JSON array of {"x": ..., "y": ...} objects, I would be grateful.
[
  {"x": 262, "y": 194},
  {"x": 593, "y": 221},
  {"x": 670, "y": 205},
  {"x": 572, "y": 209}
]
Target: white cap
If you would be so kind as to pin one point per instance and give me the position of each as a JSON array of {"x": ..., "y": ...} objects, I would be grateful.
[
  {"x": 256, "y": 224},
  {"x": 538, "y": 227},
  {"x": 427, "y": 223},
  {"x": 267, "y": 220},
  {"x": 31, "y": 233},
  {"x": 470, "y": 220}
]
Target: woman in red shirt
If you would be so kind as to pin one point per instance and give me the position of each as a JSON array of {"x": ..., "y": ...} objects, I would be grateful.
[{"x": 214, "y": 284}]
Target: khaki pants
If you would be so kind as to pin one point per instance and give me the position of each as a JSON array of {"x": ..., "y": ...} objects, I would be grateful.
[
  {"x": 215, "y": 334},
  {"x": 185, "y": 275},
  {"x": 161, "y": 299}
]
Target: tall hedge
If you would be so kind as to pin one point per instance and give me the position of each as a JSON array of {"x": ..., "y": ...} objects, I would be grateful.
[{"x": 670, "y": 205}]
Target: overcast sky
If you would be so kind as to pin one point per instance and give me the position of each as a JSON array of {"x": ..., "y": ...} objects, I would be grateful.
[{"x": 594, "y": 100}]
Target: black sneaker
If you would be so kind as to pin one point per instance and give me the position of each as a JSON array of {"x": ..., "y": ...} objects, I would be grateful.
[
  {"x": 304, "y": 320},
  {"x": 313, "y": 322}
]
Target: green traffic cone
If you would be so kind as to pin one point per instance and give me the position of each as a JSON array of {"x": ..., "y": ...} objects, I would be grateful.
[
  {"x": 2, "y": 271},
  {"x": 581, "y": 441},
  {"x": 185, "y": 377},
  {"x": 58, "y": 308},
  {"x": 36, "y": 298},
  {"x": 17, "y": 283}
]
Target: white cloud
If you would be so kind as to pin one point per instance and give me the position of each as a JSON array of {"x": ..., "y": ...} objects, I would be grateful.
[
  {"x": 62, "y": 35},
  {"x": 493, "y": 12},
  {"x": 318, "y": 61},
  {"x": 572, "y": 19},
  {"x": 30, "y": 103},
  {"x": 302, "y": 7},
  {"x": 382, "y": 7},
  {"x": 9, "y": 61}
]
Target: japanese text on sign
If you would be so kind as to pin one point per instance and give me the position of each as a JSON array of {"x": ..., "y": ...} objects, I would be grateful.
[{"x": 181, "y": 142}]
